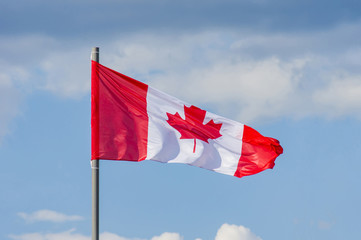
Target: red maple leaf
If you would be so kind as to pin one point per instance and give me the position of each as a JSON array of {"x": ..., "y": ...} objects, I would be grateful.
[{"x": 192, "y": 126}]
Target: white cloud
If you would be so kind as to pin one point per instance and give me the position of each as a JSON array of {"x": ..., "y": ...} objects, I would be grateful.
[
  {"x": 10, "y": 97},
  {"x": 243, "y": 74},
  {"x": 112, "y": 236},
  {"x": 67, "y": 73},
  {"x": 72, "y": 235},
  {"x": 342, "y": 95},
  {"x": 234, "y": 232},
  {"x": 254, "y": 88},
  {"x": 226, "y": 231},
  {"x": 246, "y": 75},
  {"x": 48, "y": 215},
  {"x": 30, "y": 63},
  {"x": 168, "y": 236},
  {"x": 69, "y": 235}
]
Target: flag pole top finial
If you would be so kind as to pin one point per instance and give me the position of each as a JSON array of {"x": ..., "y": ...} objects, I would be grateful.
[{"x": 95, "y": 54}]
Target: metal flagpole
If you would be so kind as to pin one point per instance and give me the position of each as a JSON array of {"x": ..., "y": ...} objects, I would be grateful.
[{"x": 95, "y": 176}]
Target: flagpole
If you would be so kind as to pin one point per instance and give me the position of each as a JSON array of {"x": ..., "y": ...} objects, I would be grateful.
[{"x": 95, "y": 176}]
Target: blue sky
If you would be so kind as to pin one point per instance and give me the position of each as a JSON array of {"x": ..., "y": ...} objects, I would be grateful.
[{"x": 290, "y": 69}]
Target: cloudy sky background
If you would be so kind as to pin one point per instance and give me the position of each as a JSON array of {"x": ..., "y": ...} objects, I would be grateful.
[{"x": 290, "y": 69}]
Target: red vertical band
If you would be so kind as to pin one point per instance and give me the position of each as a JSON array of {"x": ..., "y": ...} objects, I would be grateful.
[
  {"x": 94, "y": 110},
  {"x": 122, "y": 116},
  {"x": 258, "y": 153}
]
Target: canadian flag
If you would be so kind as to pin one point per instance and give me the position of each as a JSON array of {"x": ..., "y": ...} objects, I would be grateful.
[{"x": 133, "y": 122}]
